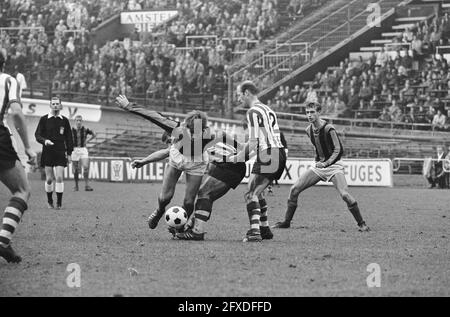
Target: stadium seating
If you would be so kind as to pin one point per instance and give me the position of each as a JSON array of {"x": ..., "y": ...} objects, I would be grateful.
[
  {"x": 426, "y": 74},
  {"x": 126, "y": 141},
  {"x": 190, "y": 76}
]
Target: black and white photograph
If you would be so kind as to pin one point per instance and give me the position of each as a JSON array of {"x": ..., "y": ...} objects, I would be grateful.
[{"x": 224, "y": 156}]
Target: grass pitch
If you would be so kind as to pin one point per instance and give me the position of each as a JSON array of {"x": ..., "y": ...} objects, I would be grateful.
[{"x": 106, "y": 234}]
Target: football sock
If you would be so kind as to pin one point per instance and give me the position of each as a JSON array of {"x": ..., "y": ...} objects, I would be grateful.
[
  {"x": 86, "y": 176},
  {"x": 189, "y": 209},
  {"x": 13, "y": 213},
  {"x": 264, "y": 222},
  {"x": 49, "y": 191},
  {"x": 202, "y": 214},
  {"x": 59, "y": 188},
  {"x": 76, "y": 177},
  {"x": 291, "y": 208},
  {"x": 354, "y": 209},
  {"x": 254, "y": 214}
]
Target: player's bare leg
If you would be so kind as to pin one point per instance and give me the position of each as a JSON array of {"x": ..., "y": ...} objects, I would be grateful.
[
  {"x": 50, "y": 185},
  {"x": 193, "y": 183},
  {"x": 85, "y": 165},
  {"x": 171, "y": 176},
  {"x": 341, "y": 185},
  {"x": 76, "y": 174},
  {"x": 211, "y": 190},
  {"x": 257, "y": 185},
  {"x": 16, "y": 181},
  {"x": 306, "y": 180},
  {"x": 59, "y": 186}
]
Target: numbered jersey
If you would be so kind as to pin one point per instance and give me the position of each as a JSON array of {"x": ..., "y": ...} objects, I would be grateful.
[
  {"x": 9, "y": 92},
  {"x": 263, "y": 127}
]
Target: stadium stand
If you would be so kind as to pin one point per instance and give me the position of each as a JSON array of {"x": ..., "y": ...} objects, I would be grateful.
[
  {"x": 399, "y": 79},
  {"x": 191, "y": 55}
]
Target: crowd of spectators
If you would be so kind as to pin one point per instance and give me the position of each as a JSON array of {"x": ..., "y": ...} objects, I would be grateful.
[
  {"x": 154, "y": 66},
  {"x": 400, "y": 84}
]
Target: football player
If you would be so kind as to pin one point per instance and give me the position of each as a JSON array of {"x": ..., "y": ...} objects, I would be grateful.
[
  {"x": 265, "y": 141},
  {"x": 12, "y": 173},
  {"x": 328, "y": 167}
]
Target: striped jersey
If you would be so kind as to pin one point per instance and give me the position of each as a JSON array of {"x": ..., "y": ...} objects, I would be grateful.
[
  {"x": 263, "y": 127},
  {"x": 223, "y": 149},
  {"x": 80, "y": 136},
  {"x": 328, "y": 146},
  {"x": 9, "y": 92}
]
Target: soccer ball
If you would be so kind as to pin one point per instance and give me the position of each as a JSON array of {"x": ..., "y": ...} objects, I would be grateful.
[{"x": 176, "y": 217}]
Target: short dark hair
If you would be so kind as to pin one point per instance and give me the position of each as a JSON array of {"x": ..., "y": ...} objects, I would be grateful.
[
  {"x": 249, "y": 86},
  {"x": 56, "y": 98},
  {"x": 314, "y": 105},
  {"x": 244, "y": 124}
]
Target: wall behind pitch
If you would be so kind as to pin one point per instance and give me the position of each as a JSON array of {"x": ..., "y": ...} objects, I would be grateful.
[{"x": 365, "y": 173}]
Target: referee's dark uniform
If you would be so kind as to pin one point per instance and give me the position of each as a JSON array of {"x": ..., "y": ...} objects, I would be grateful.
[{"x": 56, "y": 129}]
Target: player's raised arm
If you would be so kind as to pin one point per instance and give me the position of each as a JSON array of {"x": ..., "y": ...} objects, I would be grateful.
[
  {"x": 156, "y": 118},
  {"x": 152, "y": 158}
]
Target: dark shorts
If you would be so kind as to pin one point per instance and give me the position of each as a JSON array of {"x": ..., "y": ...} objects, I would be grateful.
[
  {"x": 52, "y": 158},
  {"x": 8, "y": 155},
  {"x": 229, "y": 173},
  {"x": 271, "y": 164}
]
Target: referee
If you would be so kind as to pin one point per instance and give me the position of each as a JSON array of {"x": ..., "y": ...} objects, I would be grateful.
[
  {"x": 55, "y": 135},
  {"x": 80, "y": 152}
]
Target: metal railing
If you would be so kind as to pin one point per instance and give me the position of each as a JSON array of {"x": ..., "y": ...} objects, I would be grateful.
[
  {"x": 372, "y": 126},
  {"x": 397, "y": 163},
  {"x": 326, "y": 33},
  {"x": 192, "y": 39}
]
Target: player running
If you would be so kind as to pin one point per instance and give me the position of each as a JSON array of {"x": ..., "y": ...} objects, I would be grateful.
[
  {"x": 12, "y": 173},
  {"x": 221, "y": 176},
  {"x": 328, "y": 168},
  {"x": 55, "y": 135},
  {"x": 264, "y": 139}
]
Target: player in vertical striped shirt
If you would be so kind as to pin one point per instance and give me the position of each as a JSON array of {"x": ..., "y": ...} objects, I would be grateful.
[
  {"x": 80, "y": 154},
  {"x": 12, "y": 173},
  {"x": 328, "y": 167},
  {"x": 264, "y": 139}
]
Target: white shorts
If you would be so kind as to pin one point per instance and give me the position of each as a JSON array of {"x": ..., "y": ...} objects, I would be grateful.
[
  {"x": 327, "y": 173},
  {"x": 179, "y": 161},
  {"x": 79, "y": 153}
]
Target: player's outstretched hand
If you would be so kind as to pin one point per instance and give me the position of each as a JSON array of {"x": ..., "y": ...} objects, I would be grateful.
[
  {"x": 122, "y": 101},
  {"x": 137, "y": 164},
  {"x": 31, "y": 157}
]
